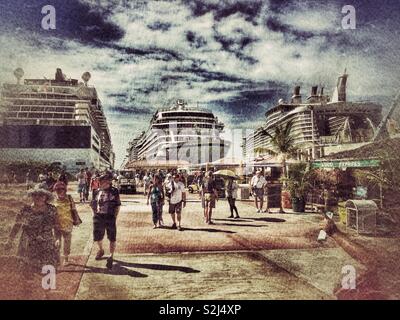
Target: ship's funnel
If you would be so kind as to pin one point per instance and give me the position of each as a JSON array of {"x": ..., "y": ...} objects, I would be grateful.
[
  {"x": 296, "y": 98},
  {"x": 19, "y": 73},
  {"x": 341, "y": 87},
  {"x": 314, "y": 91},
  {"x": 59, "y": 75},
  {"x": 321, "y": 93}
]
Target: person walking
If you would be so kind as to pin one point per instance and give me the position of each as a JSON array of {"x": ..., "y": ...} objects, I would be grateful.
[
  {"x": 38, "y": 245},
  {"x": 95, "y": 183},
  {"x": 81, "y": 177},
  {"x": 12, "y": 178},
  {"x": 146, "y": 183},
  {"x": 209, "y": 196},
  {"x": 63, "y": 177},
  {"x": 177, "y": 200},
  {"x": 105, "y": 205},
  {"x": 231, "y": 195},
  {"x": 156, "y": 197},
  {"x": 257, "y": 185},
  {"x": 66, "y": 218},
  {"x": 29, "y": 179},
  {"x": 50, "y": 181},
  {"x": 88, "y": 177}
]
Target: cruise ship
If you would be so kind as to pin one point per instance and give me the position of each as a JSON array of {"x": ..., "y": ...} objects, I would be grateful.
[
  {"x": 321, "y": 124},
  {"x": 58, "y": 121},
  {"x": 180, "y": 133}
]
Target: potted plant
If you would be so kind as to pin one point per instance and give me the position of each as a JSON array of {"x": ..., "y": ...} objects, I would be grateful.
[{"x": 298, "y": 185}]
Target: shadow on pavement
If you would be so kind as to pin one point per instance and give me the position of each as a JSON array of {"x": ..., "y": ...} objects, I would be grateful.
[
  {"x": 152, "y": 266},
  {"x": 208, "y": 230},
  {"x": 233, "y": 220},
  {"x": 117, "y": 270},
  {"x": 240, "y": 225},
  {"x": 269, "y": 219}
]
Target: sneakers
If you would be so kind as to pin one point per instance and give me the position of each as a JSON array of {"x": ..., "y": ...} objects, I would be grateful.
[
  {"x": 258, "y": 211},
  {"x": 109, "y": 264},
  {"x": 230, "y": 216},
  {"x": 174, "y": 226},
  {"x": 99, "y": 254},
  {"x": 155, "y": 226},
  {"x": 237, "y": 217},
  {"x": 179, "y": 228}
]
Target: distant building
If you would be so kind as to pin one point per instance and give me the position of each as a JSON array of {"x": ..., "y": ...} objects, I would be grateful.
[
  {"x": 54, "y": 121},
  {"x": 320, "y": 124}
]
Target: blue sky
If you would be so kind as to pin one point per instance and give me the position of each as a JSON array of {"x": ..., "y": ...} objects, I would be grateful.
[{"x": 234, "y": 57}]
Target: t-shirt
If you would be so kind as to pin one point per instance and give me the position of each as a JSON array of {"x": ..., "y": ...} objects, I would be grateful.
[
  {"x": 231, "y": 190},
  {"x": 176, "y": 189},
  {"x": 64, "y": 214},
  {"x": 95, "y": 184},
  {"x": 156, "y": 194},
  {"x": 258, "y": 182},
  {"x": 88, "y": 176},
  {"x": 81, "y": 177},
  {"x": 105, "y": 202},
  {"x": 209, "y": 186}
]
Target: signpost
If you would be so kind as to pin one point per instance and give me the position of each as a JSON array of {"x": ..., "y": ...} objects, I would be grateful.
[{"x": 367, "y": 163}]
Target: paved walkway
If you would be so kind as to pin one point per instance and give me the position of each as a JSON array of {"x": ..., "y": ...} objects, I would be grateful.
[
  {"x": 259, "y": 256},
  {"x": 229, "y": 260}
]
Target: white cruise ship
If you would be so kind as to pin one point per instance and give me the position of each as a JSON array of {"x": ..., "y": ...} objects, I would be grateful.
[
  {"x": 180, "y": 133},
  {"x": 54, "y": 121},
  {"x": 320, "y": 124}
]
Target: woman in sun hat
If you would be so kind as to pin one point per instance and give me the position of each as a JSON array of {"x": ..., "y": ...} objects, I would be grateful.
[{"x": 38, "y": 245}]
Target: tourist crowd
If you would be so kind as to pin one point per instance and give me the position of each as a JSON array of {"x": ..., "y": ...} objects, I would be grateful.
[{"x": 47, "y": 223}]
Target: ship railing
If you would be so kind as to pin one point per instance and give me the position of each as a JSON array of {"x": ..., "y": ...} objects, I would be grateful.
[{"x": 186, "y": 109}]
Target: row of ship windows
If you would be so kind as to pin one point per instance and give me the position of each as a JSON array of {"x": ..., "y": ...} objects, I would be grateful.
[
  {"x": 185, "y": 125},
  {"x": 187, "y": 114},
  {"x": 44, "y": 103},
  {"x": 39, "y": 96},
  {"x": 186, "y": 118},
  {"x": 41, "y": 109},
  {"x": 40, "y": 115}
]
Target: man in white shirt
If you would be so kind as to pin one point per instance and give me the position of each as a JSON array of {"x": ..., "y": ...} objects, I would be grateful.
[
  {"x": 257, "y": 185},
  {"x": 177, "y": 199}
]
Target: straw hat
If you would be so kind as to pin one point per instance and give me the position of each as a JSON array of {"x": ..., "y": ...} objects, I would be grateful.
[{"x": 41, "y": 192}]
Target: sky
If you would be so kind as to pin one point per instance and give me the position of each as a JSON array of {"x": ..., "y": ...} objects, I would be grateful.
[{"x": 234, "y": 57}]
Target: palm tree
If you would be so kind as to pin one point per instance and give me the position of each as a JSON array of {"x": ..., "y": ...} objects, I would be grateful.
[{"x": 282, "y": 145}]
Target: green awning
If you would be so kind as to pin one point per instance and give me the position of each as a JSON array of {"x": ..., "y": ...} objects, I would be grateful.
[{"x": 365, "y": 163}]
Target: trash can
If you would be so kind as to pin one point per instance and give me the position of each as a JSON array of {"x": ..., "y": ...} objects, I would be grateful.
[
  {"x": 361, "y": 215},
  {"x": 274, "y": 195},
  {"x": 244, "y": 191}
]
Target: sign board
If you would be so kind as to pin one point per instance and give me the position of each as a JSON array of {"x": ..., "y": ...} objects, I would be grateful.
[{"x": 346, "y": 164}]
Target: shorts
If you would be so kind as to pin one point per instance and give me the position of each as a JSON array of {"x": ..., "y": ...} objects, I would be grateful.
[
  {"x": 81, "y": 188},
  {"x": 259, "y": 193},
  {"x": 175, "y": 208},
  {"x": 208, "y": 200},
  {"x": 101, "y": 224}
]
